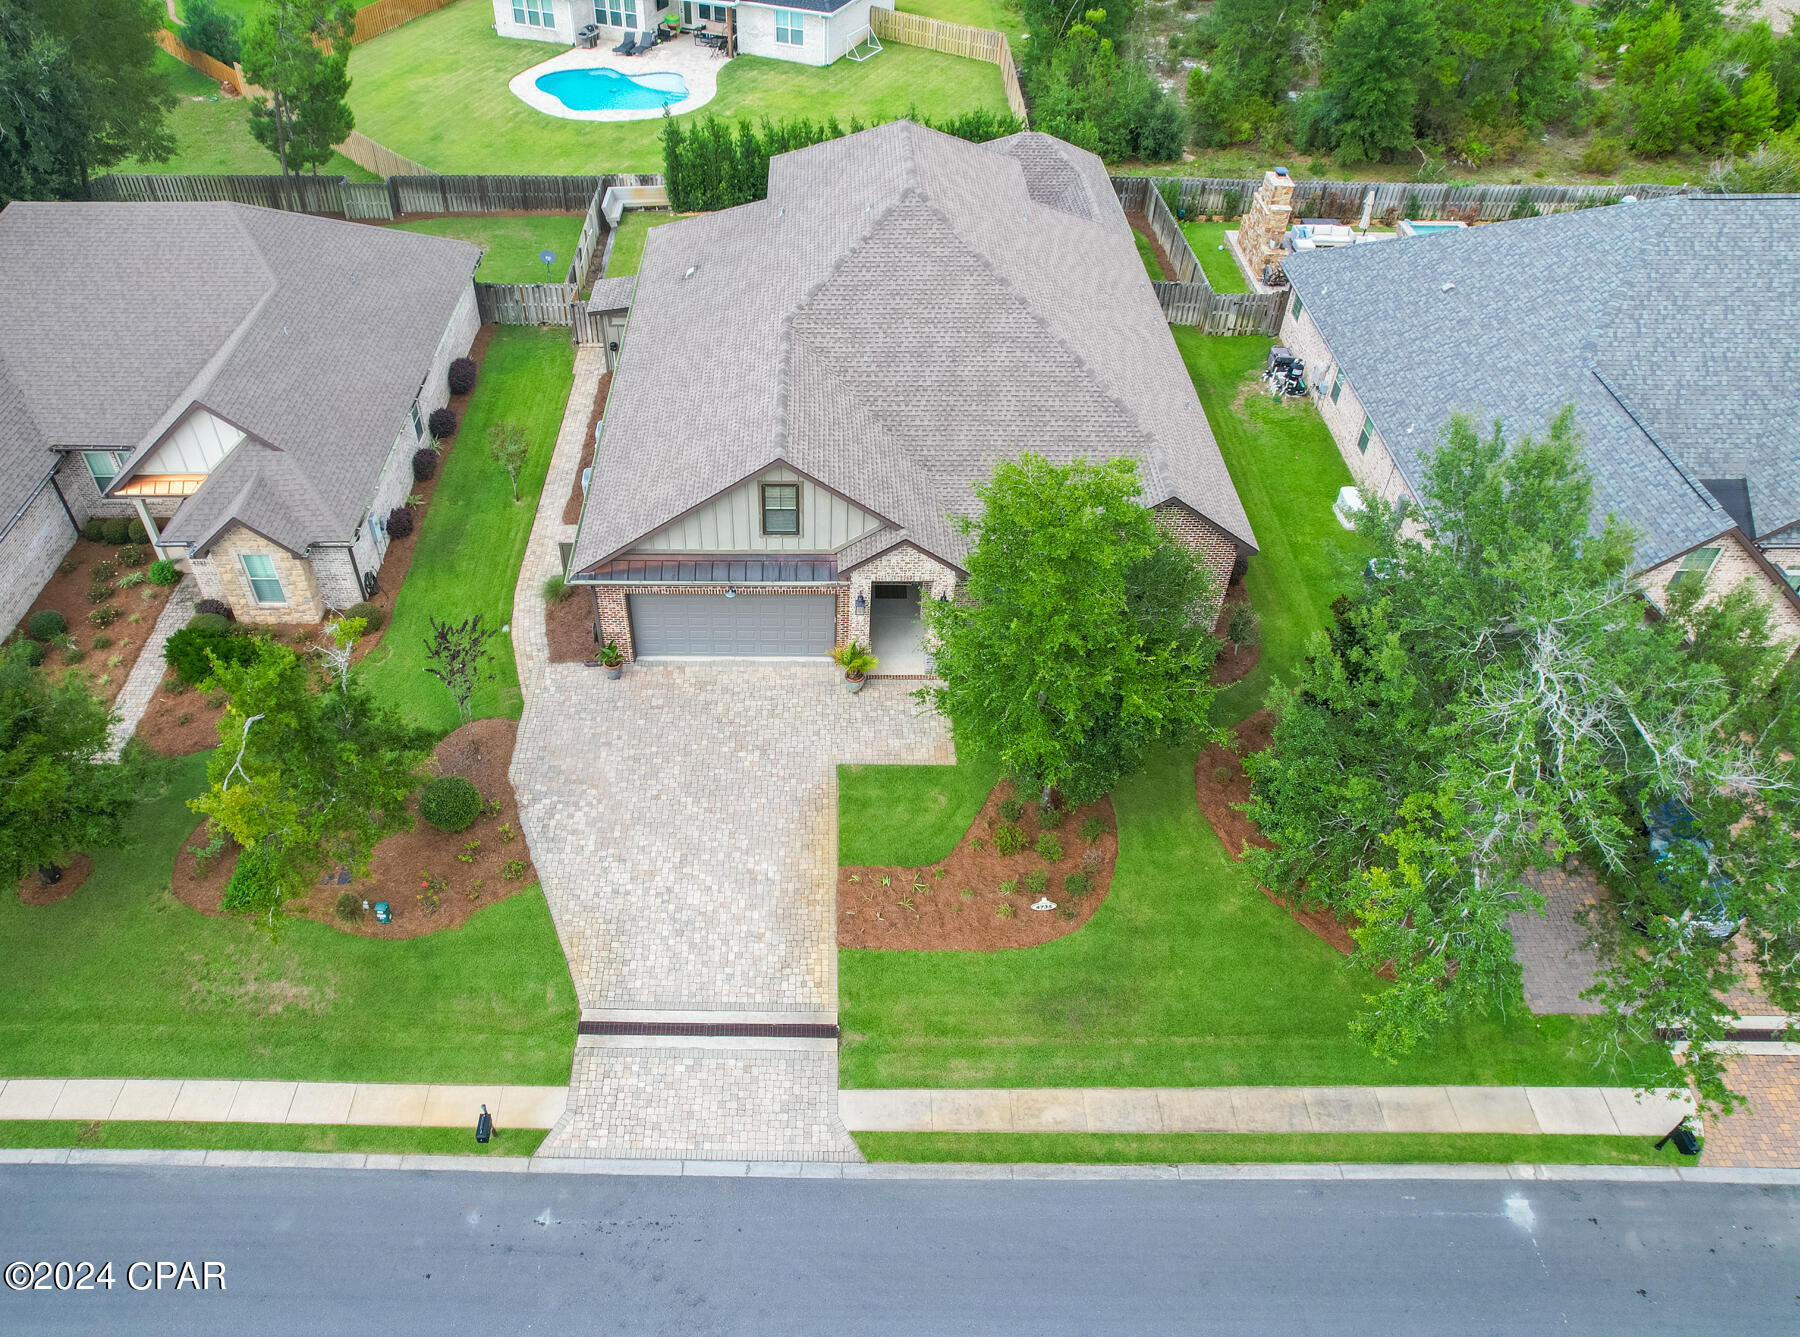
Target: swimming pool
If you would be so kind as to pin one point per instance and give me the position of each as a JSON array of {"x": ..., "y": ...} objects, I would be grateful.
[
  {"x": 600, "y": 89},
  {"x": 1409, "y": 228}
]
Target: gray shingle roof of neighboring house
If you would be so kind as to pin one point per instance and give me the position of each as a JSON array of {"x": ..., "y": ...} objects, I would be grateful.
[
  {"x": 904, "y": 310},
  {"x": 1673, "y": 326},
  {"x": 311, "y": 335}
]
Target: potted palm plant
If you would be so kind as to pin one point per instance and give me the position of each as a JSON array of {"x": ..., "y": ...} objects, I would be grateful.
[
  {"x": 856, "y": 661},
  {"x": 612, "y": 659}
]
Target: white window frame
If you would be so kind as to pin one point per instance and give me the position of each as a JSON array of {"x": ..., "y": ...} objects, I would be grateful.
[
  {"x": 418, "y": 422},
  {"x": 1368, "y": 435},
  {"x": 617, "y": 14},
  {"x": 116, "y": 457},
  {"x": 251, "y": 578},
  {"x": 1695, "y": 567},
  {"x": 790, "y": 27},
  {"x": 535, "y": 13}
]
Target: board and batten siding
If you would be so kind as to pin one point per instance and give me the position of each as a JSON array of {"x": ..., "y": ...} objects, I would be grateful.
[
  {"x": 732, "y": 522},
  {"x": 195, "y": 446}
]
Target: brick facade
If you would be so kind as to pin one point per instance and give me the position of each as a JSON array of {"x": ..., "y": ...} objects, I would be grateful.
[
  {"x": 1735, "y": 565},
  {"x": 1373, "y": 469},
  {"x": 220, "y": 575},
  {"x": 29, "y": 555},
  {"x": 83, "y": 495},
  {"x": 1217, "y": 550},
  {"x": 902, "y": 564},
  {"x": 612, "y": 619}
]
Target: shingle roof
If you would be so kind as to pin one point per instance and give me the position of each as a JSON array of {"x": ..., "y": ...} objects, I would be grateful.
[
  {"x": 1673, "y": 326},
  {"x": 902, "y": 311},
  {"x": 310, "y": 334}
]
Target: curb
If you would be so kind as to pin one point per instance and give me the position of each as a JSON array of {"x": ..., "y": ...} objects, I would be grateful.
[{"x": 890, "y": 1170}]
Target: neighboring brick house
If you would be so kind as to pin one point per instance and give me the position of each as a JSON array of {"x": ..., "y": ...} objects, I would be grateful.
[
  {"x": 1684, "y": 397},
  {"x": 811, "y": 32},
  {"x": 812, "y": 385},
  {"x": 250, "y": 384}
]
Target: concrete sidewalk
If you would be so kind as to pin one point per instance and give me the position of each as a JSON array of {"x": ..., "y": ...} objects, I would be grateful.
[
  {"x": 1604, "y": 1110},
  {"x": 397, "y": 1105}
]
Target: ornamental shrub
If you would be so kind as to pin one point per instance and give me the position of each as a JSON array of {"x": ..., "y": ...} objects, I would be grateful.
[
  {"x": 117, "y": 532},
  {"x": 135, "y": 531},
  {"x": 165, "y": 573},
  {"x": 132, "y": 555},
  {"x": 349, "y": 907},
  {"x": 1049, "y": 846},
  {"x": 104, "y": 616},
  {"x": 1009, "y": 838},
  {"x": 100, "y": 591},
  {"x": 46, "y": 624},
  {"x": 370, "y": 614},
  {"x": 218, "y": 606},
  {"x": 94, "y": 531},
  {"x": 211, "y": 622},
  {"x": 1241, "y": 626},
  {"x": 33, "y": 651},
  {"x": 1036, "y": 881},
  {"x": 1011, "y": 809},
  {"x": 462, "y": 375},
  {"x": 1076, "y": 885},
  {"x": 188, "y": 651},
  {"x": 450, "y": 803},
  {"x": 425, "y": 463},
  {"x": 253, "y": 886},
  {"x": 443, "y": 424},
  {"x": 400, "y": 522},
  {"x": 104, "y": 570}
]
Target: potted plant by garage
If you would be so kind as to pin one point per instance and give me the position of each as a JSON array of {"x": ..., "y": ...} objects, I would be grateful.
[
  {"x": 612, "y": 659},
  {"x": 857, "y": 663}
]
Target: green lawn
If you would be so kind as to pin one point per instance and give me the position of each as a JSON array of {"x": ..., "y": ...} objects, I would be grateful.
[
  {"x": 628, "y": 240},
  {"x": 1147, "y": 253},
  {"x": 510, "y": 246},
  {"x": 1186, "y": 976},
  {"x": 1287, "y": 471},
  {"x": 212, "y": 133},
  {"x": 1221, "y": 270},
  {"x": 1248, "y": 1148},
  {"x": 472, "y": 535},
  {"x": 997, "y": 15},
  {"x": 123, "y": 980},
  {"x": 268, "y": 1137},
  {"x": 435, "y": 90},
  {"x": 939, "y": 801}
]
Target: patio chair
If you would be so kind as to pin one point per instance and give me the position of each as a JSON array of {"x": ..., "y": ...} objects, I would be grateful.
[
  {"x": 645, "y": 41},
  {"x": 625, "y": 48}
]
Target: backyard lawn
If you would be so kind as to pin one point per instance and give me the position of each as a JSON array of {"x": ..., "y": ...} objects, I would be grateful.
[
  {"x": 123, "y": 980},
  {"x": 628, "y": 240},
  {"x": 472, "y": 535},
  {"x": 1147, "y": 253},
  {"x": 1287, "y": 471},
  {"x": 435, "y": 90},
  {"x": 1221, "y": 270},
  {"x": 510, "y": 246},
  {"x": 998, "y": 15},
  {"x": 212, "y": 133}
]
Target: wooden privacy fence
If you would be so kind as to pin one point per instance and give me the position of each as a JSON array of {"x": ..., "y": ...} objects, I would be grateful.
[
  {"x": 1138, "y": 196},
  {"x": 526, "y": 303},
  {"x": 374, "y": 199},
  {"x": 212, "y": 69},
  {"x": 384, "y": 15},
  {"x": 1220, "y": 312},
  {"x": 954, "y": 39},
  {"x": 379, "y": 158},
  {"x": 1343, "y": 200},
  {"x": 301, "y": 194}
]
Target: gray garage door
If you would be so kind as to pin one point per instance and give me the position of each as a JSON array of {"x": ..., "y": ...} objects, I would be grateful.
[{"x": 751, "y": 624}]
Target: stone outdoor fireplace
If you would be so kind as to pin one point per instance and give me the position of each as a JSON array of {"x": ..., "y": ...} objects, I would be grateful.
[{"x": 1260, "y": 235}]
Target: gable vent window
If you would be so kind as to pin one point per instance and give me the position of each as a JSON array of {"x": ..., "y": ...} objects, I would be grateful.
[
  {"x": 1362, "y": 442},
  {"x": 781, "y": 508},
  {"x": 1694, "y": 569},
  {"x": 103, "y": 465}
]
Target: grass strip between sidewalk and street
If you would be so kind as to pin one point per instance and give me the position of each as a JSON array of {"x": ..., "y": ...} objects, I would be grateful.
[
  {"x": 158, "y": 1136},
  {"x": 1266, "y": 1148}
]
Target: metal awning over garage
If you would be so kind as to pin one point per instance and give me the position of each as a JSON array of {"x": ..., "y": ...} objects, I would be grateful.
[{"x": 751, "y": 625}]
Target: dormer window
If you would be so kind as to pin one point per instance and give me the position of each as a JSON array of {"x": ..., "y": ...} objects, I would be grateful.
[
  {"x": 781, "y": 508},
  {"x": 103, "y": 465}
]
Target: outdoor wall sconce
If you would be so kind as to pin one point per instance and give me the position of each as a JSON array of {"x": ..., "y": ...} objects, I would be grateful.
[
  {"x": 862, "y": 604},
  {"x": 730, "y": 592}
]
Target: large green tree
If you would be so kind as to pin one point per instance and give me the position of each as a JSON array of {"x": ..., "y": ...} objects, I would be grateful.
[
  {"x": 1498, "y": 701},
  {"x": 305, "y": 779},
  {"x": 79, "y": 91},
  {"x": 1082, "y": 636},
  {"x": 1376, "y": 67},
  {"x": 298, "y": 52},
  {"x": 58, "y": 794}
]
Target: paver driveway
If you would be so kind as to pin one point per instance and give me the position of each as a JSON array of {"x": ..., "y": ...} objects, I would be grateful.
[{"x": 684, "y": 821}]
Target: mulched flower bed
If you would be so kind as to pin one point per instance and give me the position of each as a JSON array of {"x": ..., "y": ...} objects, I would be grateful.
[
  {"x": 957, "y": 904},
  {"x": 1234, "y": 661},
  {"x": 413, "y": 869},
  {"x": 572, "y": 507},
  {"x": 1140, "y": 224},
  {"x": 67, "y": 592},
  {"x": 75, "y": 870},
  {"x": 1220, "y": 785},
  {"x": 569, "y": 625}
]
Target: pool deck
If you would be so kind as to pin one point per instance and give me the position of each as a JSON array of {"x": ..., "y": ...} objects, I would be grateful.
[{"x": 697, "y": 65}]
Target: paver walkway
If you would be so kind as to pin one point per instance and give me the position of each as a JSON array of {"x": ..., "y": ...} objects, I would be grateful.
[
  {"x": 684, "y": 822},
  {"x": 1605, "y": 1110},
  {"x": 147, "y": 674},
  {"x": 1551, "y": 948},
  {"x": 391, "y": 1104}
]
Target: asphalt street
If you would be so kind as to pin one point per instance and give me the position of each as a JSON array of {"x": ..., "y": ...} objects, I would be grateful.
[{"x": 322, "y": 1251}]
